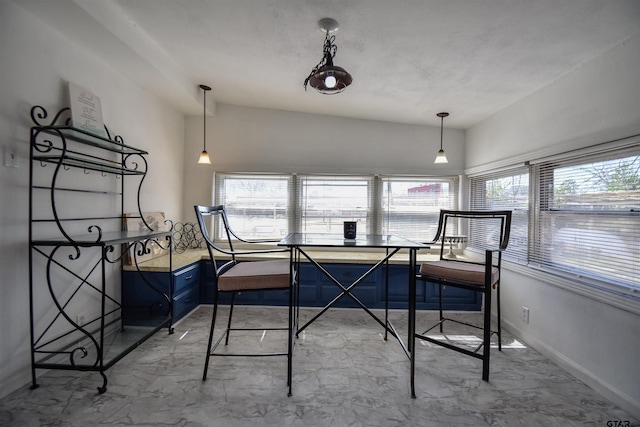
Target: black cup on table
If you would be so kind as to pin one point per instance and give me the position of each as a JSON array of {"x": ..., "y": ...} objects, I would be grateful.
[{"x": 350, "y": 229}]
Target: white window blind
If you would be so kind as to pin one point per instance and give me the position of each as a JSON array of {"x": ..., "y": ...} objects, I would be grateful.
[
  {"x": 257, "y": 206},
  {"x": 588, "y": 216},
  {"x": 503, "y": 190},
  {"x": 409, "y": 206},
  {"x": 325, "y": 202}
]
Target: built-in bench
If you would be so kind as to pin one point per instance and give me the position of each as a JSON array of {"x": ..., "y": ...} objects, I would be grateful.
[{"x": 194, "y": 282}]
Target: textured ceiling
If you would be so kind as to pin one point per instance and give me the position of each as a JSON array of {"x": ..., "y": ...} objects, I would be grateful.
[{"x": 409, "y": 59}]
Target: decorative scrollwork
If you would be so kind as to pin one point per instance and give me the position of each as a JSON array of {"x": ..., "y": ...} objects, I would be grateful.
[
  {"x": 44, "y": 146},
  {"x": 110, "y": 250},
  {"x": 132, "y": 162},
  {"x": 51, "y": 263},
  {"x": 93, "y": 228},
  {"x": 39, "y": 113},
  {"x": 75, "y": 256},
  {"x": 116, "y": 138},
  {"x": 143, "y": 248},
  {"x": 72, "y": 355}
]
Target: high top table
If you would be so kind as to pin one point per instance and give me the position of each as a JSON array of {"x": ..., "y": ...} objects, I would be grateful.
[{"x": 298, "y": 242}]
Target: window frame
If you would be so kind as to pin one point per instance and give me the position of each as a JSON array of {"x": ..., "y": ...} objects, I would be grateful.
[
  {"x": 374, "y": 213},
  {"x": 582, "y": 280},
  {"x": 426, "y": 216},
  {"x": 300, "y": 210},
  {"x": 220, "y": 198},
  {"x": 547, "y": 214},
  {"x": 520, "y": 216}
]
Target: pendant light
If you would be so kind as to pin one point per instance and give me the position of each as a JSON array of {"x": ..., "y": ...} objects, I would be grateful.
[
  {"x": 204, "y": 156},
  {"x": 441, "y": 157},
  {"x": 325, "y": 77}
]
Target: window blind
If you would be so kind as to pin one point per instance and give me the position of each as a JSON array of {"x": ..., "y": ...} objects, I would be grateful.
[
  {"x": 409, "y": 206},
  {"x": 257, "y": 206},
  {"x": 588, "y": 216},
  {"x": 324, "y": 202},
  {"x": 503, "y": 190}
]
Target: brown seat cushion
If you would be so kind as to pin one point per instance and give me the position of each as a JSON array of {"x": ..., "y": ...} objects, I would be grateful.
[
  {"x": 255, "y": 275},
  {"x": 458, "y": 271}
]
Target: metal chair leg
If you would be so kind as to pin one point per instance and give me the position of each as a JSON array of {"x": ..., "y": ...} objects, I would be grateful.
[
  {"x": 290, "y": 340},
  {"x": 440, "y": 290},
  {"x": 412, "y": 338},
  {"x": 233, "y": 299},
  {"x": 499, "y": 316},
  {"x": 486, "y": 351},
  {"x": 213, "y": 324}
]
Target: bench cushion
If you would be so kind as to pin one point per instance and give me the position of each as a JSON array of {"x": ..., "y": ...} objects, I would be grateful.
[
  {"x": 458, "y": 272},
  {"x": 252, "y": 275}
]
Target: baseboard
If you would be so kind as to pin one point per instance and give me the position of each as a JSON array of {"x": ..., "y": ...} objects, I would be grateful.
[{"x": 621, "y": 399}]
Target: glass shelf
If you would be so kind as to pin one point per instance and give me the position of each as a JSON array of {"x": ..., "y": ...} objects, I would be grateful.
[
  {"x": 90, "y": 164},
  {"x": 87, "y": 138},
  {"x": 117, "y": 342},
  {"x": 108, "y": 238}
]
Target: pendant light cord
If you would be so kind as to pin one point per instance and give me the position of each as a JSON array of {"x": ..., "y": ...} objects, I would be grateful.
[
  {"x": 204, "y": 117},
  {"x": 441, "y": 130}
]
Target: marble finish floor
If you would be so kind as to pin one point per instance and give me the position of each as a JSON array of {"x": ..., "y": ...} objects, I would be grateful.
[{"x": 345, "y": 374}]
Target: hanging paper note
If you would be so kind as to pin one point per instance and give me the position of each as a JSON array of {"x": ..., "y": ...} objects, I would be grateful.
[{"x": 86, "y": 111}]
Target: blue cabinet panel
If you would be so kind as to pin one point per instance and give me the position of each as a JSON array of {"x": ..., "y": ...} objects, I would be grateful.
[
  {"x": 348, "y": 273},
  {"x": 316, "y": 290},
  {"x": 186, "y": 301},
  {"x": 186, "y": 277},
  {"x": 195, "y": 284},
  {"x": 309, "y": 294},
  {"x": 309, "y": 289},
  {"x": 143, "y": 294},
  {"x": 208, "y": 282},
  {"x": 143, "y": 297},
  {"x": 308, "y": 273},
  {"x": 275, "y": 297},
  {"x": 399, "y": 284},
  {"x": 454, "y": 298}
]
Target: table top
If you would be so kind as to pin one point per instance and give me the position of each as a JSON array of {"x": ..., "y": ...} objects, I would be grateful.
[{"x": 337, "y": 240}]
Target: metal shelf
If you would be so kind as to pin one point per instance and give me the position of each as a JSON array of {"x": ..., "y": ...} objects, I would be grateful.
[
  {"x": 74, "y": 266},
  {"x": 106, "y": 239}
]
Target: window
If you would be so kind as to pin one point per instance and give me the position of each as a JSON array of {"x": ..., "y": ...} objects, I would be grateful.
[
  {"x": 575, "y": 214},
  {"x": 504, "y": 190},
  {"x": 257, "y": 205},
  {"x": 410, "y": 206},
  {"x": 325, "y": 202},
  {"x": 264, "y": 206},
  {"x": 589, "y": 216}
]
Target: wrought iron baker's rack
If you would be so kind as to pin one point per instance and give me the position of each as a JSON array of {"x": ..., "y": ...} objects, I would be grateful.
[{"x": 75, "y": 260}]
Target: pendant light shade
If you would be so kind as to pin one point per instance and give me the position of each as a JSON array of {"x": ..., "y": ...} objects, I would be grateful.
[
  {"x": 441, "y": 157},
  {"x": 204, "y": 156},
  {"x": 325, "y": 77}
]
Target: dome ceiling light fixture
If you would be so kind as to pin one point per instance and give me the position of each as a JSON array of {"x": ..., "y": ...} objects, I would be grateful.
[
  {"x": 325, "y": 77},
  {"x": 441, "y": 157}
]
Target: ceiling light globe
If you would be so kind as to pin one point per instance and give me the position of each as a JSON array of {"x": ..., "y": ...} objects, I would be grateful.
[{"x": 330, "y": 81}]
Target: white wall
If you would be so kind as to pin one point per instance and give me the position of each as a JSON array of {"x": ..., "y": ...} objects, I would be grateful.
[
  {"x": 35, "y": 66},
  {"x": 242, "y": 139},
  {"x": 598, "y": 102}
]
